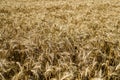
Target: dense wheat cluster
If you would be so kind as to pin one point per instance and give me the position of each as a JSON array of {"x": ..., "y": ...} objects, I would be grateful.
[{"x": 59, "y": 39}]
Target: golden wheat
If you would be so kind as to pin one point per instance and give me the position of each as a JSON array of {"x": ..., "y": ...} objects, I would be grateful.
[{"x": 59, "y": 40}]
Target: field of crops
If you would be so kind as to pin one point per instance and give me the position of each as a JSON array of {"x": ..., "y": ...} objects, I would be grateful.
[{"x": 59, "y": 39}]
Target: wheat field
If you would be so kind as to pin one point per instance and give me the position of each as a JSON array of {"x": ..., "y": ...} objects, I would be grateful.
[{"x": 59, "y": 39}]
